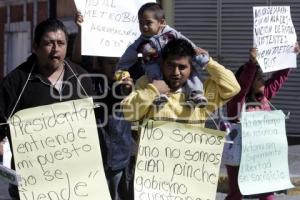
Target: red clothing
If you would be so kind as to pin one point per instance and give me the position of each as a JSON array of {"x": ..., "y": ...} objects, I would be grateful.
[
  {"x": 234, "y": 108},
  {"x": 245, "y": 80},
  {"x": 234, "y": 191}
]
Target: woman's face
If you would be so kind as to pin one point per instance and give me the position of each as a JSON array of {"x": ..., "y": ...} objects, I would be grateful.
[{"x": 149, "y": 25}]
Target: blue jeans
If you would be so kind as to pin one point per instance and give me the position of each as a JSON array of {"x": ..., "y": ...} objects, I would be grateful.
[
  {"x": 116, "y": 181},
  {"x": 120, "y": 182},
  {"x": 13, "y": 192}
]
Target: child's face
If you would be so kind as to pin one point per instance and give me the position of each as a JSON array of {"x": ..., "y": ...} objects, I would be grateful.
[
  {"x": 149, "y": 25},
  {"x": 258, "y": 86}
]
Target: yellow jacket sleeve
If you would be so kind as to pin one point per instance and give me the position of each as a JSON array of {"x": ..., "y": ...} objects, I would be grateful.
[
  {"x": 220, "y": 87},
  {"x": 137, "y": 104}
]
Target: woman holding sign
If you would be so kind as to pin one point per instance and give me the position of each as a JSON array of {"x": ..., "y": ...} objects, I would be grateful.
[{"x": 256, "y": 94}]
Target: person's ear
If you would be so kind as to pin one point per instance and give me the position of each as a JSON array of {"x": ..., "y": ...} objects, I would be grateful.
[{"x": 163, "y": 22}]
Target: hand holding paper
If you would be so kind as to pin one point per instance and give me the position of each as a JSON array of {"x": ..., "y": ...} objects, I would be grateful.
[
  {"x": 274, "y": 36},
  {"x": 78, "y": 19},
  {"x": 297, "y": 48},
  {"x": 253, "y": 55}
]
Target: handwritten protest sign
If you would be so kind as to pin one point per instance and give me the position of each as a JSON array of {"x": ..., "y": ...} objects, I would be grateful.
[
  {"x": 57, "y": 153},
  {"x": 80, "y": 4},
  {"x": 264, "y": 161},
  {"x": 109, "y": 26},
  {"x": 274, "y": 36},
  {"x": 177, "y": 161}
]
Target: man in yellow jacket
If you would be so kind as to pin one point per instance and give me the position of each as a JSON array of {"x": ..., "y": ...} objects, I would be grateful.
[{"x": 176, "y": 67}]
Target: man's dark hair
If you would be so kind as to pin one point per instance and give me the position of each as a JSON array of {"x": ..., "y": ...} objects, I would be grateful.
[
  {"x": 178, "y": 48},
  {"x": 154, "y": 7},
  {"x": 46, "y": 26}
]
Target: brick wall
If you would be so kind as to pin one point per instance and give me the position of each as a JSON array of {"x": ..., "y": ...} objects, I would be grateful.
[
  {"x": 61, "y": 10},
  {"x": 42, "y": 11},
  {"x": 16, "y": 13}
]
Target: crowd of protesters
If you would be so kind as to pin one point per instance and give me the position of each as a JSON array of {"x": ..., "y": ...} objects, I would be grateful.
[{"x": 167, "y": 83}]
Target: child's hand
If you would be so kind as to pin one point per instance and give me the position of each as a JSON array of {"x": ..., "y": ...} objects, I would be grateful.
[
  {"x": 253, "y": 55},
  {"x": 124, "y": 81},
  {"x": 296, "y": 48},
  {"x": 201, "y": 59},
  {"x": 126, "y": 85},
  {"x": 78, "y": 19}
]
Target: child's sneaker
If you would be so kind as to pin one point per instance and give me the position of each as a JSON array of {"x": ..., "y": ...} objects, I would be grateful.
[
  {"x": 196, "y": 99},
  {"x": 160, "y": 100},
  {"x": 201, "y": 60}
]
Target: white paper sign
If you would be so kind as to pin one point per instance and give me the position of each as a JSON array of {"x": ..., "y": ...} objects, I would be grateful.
[
  {"x": 177, "y": 161},
  {"x": 275, "y": 37},
  {"x": 109, "y": 26},
  {"x": 264, "y": 162},
  {"x": 57, "y": 152}
]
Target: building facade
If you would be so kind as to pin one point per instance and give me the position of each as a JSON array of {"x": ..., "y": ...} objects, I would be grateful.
[
  {"x": 18, "y": 19},
  {"x": 225, "y": 29}
]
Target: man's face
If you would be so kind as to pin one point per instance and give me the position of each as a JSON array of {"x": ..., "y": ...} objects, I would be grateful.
[
  {"x": 149, "y": 25},
  {"x": 176, "y": 71},
  {"x": 52, "y": 49}
]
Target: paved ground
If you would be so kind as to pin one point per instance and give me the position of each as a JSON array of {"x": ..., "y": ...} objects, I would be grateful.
[{"x": 221, "y": 196}]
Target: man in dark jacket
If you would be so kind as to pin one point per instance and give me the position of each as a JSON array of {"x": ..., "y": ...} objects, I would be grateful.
[{"x": 45, "y": 78}]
